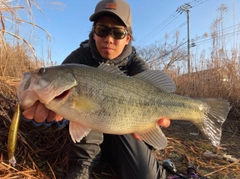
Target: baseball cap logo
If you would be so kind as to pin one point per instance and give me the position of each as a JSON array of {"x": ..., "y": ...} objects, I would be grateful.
[{"x": 111, "y": 6}]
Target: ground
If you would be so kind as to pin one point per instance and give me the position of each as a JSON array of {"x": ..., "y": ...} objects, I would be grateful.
[
  {"x": 223, "y": 162},
  {"x": 44, "y": 155}
]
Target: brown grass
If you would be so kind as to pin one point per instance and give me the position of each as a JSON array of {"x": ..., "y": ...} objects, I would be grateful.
[
  {"x": 214, "y": 82},
  {"x": 44, "y": 155},
  {"x": 15, "y": 59},
  {"x": 37, "y": 153},
  {"x": 17, "y": 52}
]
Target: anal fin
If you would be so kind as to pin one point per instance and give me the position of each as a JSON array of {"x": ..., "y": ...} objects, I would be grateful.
[{"x": 155, "y": 138}]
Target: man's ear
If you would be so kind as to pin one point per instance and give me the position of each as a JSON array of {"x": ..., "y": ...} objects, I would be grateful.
[{"x": 128, "y": 38}]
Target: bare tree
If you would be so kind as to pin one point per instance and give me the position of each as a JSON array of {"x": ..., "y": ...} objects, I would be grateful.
[{"x": 163, "y": 55}]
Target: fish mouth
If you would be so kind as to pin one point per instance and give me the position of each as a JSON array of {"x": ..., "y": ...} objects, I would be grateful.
[{"x": 63, "y": 95}]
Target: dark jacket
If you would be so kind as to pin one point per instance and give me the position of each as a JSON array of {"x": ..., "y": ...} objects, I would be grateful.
[{"x": 129, "y": 62}]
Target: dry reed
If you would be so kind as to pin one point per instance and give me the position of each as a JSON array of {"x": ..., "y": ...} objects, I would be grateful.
[{"x": 44, "y": 155}]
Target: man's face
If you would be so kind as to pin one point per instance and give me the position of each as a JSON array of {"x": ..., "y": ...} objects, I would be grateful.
[{"x": 110, "y": 47}]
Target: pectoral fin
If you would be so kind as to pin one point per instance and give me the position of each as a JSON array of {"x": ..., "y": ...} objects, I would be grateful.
[
  {"x": 77, "y": 131},
  {"x": 155, "y": 138},
  {"x": 84, "y": 104}
]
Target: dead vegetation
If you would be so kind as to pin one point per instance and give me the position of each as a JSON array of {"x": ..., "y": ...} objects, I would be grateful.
[
  {"x": 44, "y": 155},
  {"x": 188, "y": 145},
  {"x": 37, "y": 154}
]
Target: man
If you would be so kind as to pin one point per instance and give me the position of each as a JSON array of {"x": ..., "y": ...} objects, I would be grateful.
[{"x": 109, "y": 42}]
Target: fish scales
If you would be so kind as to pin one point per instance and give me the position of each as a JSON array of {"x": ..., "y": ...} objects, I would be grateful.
[{"x": 140, "y": 108}]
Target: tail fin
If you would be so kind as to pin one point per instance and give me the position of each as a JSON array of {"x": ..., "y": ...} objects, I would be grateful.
[{"x": 214, "y": 118}]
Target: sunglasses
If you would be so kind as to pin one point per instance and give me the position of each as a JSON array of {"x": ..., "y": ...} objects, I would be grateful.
[{"x": 103, "y": 31}]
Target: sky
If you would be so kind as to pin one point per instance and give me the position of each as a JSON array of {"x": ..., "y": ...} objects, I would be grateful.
[{"x": 69, "y": 23}]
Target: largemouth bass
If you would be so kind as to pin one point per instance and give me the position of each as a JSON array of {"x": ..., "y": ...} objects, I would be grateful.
[
  {"x": 12, "y": 135},
  {"x": 106, "y": 100}
]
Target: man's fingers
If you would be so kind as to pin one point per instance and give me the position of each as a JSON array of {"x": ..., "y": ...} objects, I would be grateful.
[
  {"x": 41, "y": 113},
  {"x": 136, "y": 136},
  {"x": 58, "y": 117},
  {"x": 53, "y": 116},
  {"x": 30, "y": 112},
  {"x": 164, "y": 122}
]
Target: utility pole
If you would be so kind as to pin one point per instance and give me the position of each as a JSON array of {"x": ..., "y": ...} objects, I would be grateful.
[{"x": 181, "y": 9}]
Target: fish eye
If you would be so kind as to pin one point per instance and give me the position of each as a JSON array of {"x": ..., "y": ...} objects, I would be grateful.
[{"x": 42, "y": 70}]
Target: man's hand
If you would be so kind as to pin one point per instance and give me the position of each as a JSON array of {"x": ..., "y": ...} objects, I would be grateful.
[
  {"x": 164, "y": 122},
  {"x": 39, "y": 113}
]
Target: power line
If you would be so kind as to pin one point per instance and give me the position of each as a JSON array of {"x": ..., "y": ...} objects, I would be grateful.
[
  {"x": 177, "y": 28},
  {"x": 170, "y": 51},
  {"x": 220, "y": 37},
  {"x": 166, "y": 22},
  {"x": 158, "y": 28},
  {"x": 204, "y": 39},
  {"x": 200, "y": 41},
  {"x": 197, "y": 2}
]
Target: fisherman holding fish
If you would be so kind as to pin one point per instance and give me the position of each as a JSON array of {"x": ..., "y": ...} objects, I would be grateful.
[{"x": 110, "y": 43}]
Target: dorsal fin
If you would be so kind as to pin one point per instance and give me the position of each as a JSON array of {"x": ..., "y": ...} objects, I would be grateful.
[
  {"x": 111, "y": 69},
  {"x": 158, "y": 78}
]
